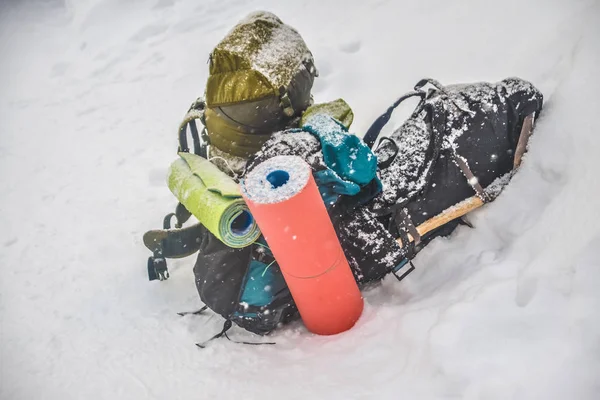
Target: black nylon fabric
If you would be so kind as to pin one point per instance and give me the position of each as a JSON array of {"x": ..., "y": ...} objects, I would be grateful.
[
  {"x": 219, "y": 274},
  {"x": 370, "y": 249},
  {"x": 257, "y": 119},
  {"x": 479, "y": 122},
  {"x": 264, "y": 319}
]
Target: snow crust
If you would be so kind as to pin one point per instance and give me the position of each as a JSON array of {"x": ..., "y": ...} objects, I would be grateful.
[
  {"x": 284, "y": 47},
  {"x": 259, "y": 189},
  {"x": 92, "y": 92}
]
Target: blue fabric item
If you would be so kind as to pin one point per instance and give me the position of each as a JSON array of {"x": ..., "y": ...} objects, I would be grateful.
[
  {"x": 260, "y": 285},
  {"x": 331, "y": 186},
  {"x": 399, "y": 266},
  {"x": 343, "y": 152},
  {"x": 351, "y": 165}
]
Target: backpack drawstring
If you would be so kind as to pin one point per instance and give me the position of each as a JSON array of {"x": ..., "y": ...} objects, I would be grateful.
[
  {"x": 227, "y": 326},
  {"x": 197, "y": 312}
]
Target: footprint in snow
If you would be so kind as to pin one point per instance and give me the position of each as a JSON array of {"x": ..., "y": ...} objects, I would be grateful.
[
  {"x": 320, "y": 85},
  {"x": 216, "y": 28},
  {"x": 155, "y": 59},
  {"x": 163, "y": 4},
  {"x": 149, "y": 32},
  {"x": 324, "y": 68},
  {"x": 526, "y": 291},
  {"x": 487, "y": 257},
  {"x": 552, "y": 176},
  {"x": 351, "y": 47},
  {"x": 10, "y": 242},
  {"x": 59, "y": 69},
  {"x": 188, "y": 25},
  {"x": 157, "y": 177}
]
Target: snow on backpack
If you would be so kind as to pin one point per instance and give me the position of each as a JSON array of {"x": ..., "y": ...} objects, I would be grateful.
[
  {"x": 245, "y": 286},
  {"x": 459, "y": 147},
  {"x": 456, "y": 151},
  {"x": 260, "y": 78}
]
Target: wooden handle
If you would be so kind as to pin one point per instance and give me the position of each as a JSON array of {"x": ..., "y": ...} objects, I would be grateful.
[
  {"x": 526, "y": 131},
  {"x": 473, "y": 203},
  {"x": 456, "y": 211}
]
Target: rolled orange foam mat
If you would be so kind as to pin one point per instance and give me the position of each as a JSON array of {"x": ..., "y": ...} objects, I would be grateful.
[{"x": 284, "y": 199}]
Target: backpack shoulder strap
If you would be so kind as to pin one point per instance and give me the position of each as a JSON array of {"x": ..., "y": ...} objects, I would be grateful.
[{"x": 196, "y": 111}]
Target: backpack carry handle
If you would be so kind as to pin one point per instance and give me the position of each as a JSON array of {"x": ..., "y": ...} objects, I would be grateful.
[
  {"x": 195, "y": 112},
  {"x": 183, "y": 145},
  {"x": 373, "y": 133}
]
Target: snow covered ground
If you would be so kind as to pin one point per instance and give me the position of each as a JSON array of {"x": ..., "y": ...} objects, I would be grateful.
[{"x": 91, "y": 92}]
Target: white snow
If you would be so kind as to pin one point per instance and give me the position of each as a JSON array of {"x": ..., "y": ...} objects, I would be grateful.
[
  {"x": 258, "y": 189},
  {"x": 91, "y": 93},
  {"x": 284, "y": 47}
]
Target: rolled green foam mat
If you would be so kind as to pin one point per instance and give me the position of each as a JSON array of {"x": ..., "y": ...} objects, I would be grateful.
[{"x": 214, "y": 198}]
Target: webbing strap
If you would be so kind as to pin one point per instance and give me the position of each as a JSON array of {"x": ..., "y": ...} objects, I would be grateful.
[
  {"x": 411, "y": 228},
  {"x": 471, "y": 178},
  {"x": 390, "y": 160},
  {"x": 250, "y": 343},
  {"x": 200, "y": 139},
  {"x": 197, "y": 312},
  {"x": 286, "y": 103},
  {"x": 405, "y": 274},
  {"x": 401, "y": 220},
  {"x": 181, "y": 214},
  {"x": 405, "y": 224},
  {"x": 526, "y": 131},
  {"x": 227, "y": 326},
  {"x": 375, "y": 129}
]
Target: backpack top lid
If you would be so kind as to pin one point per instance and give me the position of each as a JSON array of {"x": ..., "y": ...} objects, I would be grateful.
[
  {"x": 257, "y": 58},
  {"x": 261, "y": 75}
]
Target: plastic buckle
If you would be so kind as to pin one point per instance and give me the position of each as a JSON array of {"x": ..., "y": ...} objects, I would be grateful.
[
  {"x": 286, "y": 103},
  {"x": 405, "y": 274},
  {"x": 157, "y": 269}
]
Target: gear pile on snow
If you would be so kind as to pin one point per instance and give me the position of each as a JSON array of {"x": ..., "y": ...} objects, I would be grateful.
[
  {"x": 461, "y": 141},
  {"x": 387, "y": 197}
]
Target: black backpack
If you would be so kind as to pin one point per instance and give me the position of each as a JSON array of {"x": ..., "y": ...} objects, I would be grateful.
[
  {"x": 462, "y": 142},
  {"x": 427, "y": 166},
  {"x": 245, "y": 286}
]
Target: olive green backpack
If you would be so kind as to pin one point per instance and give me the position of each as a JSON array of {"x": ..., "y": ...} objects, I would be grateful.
[{"x": 260, "y": 78}]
